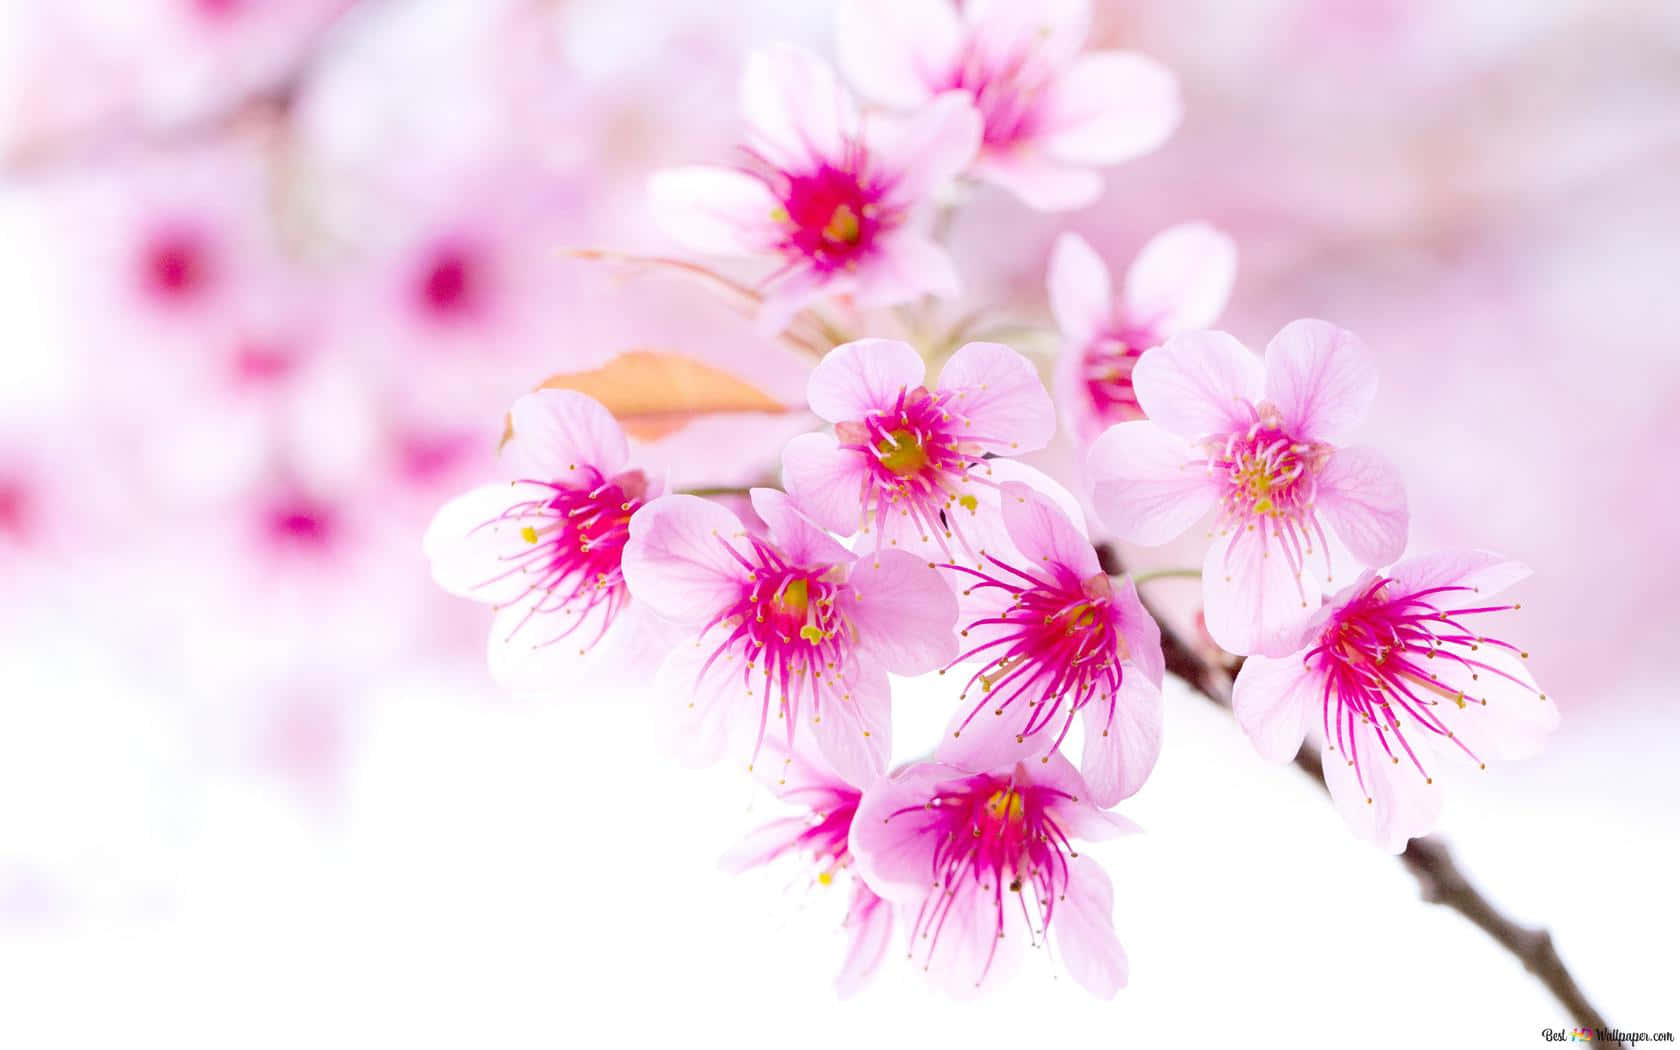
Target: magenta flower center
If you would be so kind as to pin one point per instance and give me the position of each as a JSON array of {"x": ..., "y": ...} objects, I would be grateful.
[
  {"x": 1270, "y": 481},
  {"x": 1057, "y": 645},
  {"x": 788, "y": 630},
  {"x": 1106, "y": 370},
  {"x": 175, "y": 266},
  {"x": 996, "y": 840},
  {"x": 299, "y": 524},
  {"x": 1006, "y": 89},
  {"x": 830, "y": 217},
  {"x": 450, "y": 285},
  {"x": 572, "y": 549},
  {"x": 1379, "y": 656}
]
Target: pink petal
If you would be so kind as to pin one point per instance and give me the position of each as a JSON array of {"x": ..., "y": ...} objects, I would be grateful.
[
  {"x": 1041, "y": 183},
  {"x": 469, "y": 547},
  {"x": 702, "y": 704},
  {"x": 678, "y": 560},
  {"x": 1147, "y": 484},
  {"x": 1199, "y": 384},
  {"x": 556, "y": 432},
  {"x": 1081, "y": 295},
  {"x": 991, "y": 742},
  {"x": 763, "y": 845},
  {"x": 929, "y": 149},
  {"x": 1000, "y": 471},
  {"x": 1362, "y": 499},
  {"x": 796, "y": 537},
  {"x": 857, "y": 378},
  {"x": 1503, "y": 716},
  {"x": 905, "y": 265},
  {"x": 1485, "y": 571},
  {"x": 1080, "y": 819},
  {"x": 1142, "y": 633},
  {"x": 1042, "y": 532},
  {"x": 1121, "y": 752},
  {"x": 793, "y": 293},
  {"x": 528, "y": 655},
  {"x": 713, "y": 210},
  {"x": 1254, "y": 602},
  {"x": 1181, "y": 279},
  {"x": 1275, "y": 700},
  {"x": 903, "y": 612},
  {"x": 1001, "y": 398},
  {"x": 1109, "y": 107},
  {"x": 853, "y": 731},
  {"x": 1083, "y": 929},
  {"x": 894, "y": 851},
  {"x": 1321, "y": 379},
  {"x": 869, "y": 927},
  {"x": 796, "y": 110},
  {"x": 891, "y": 50},
  {"x": 826, "y": 480},
  {"x": 1395, "y": 803}
]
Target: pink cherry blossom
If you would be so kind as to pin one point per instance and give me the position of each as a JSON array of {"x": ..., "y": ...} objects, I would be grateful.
[
  {"x": 1179, "y": 281},
  {"x": 1393, "y": 672},
  {"x": 1262, "y": 444},
  {"x": 1057, "y": 637},
  {"x": 908, "y": 463},
  {"x": 1052, "y": 112},
  {"x": 546, "y": 550},
  {"x": 961, "y": 849},
  {"x": 789, "y": 624},
  {"x": 834, "y": 202},
  {"x": 821, "y": 838}
]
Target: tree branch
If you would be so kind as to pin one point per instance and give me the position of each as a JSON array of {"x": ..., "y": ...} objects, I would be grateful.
[{"x": 1440, "y": 880}]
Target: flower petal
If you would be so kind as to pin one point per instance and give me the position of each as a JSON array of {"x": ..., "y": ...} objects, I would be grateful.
[
  {"x": 826, "y": 481},
  {"x": 1274, "y": 701},
  {"x": 678, "y": 558},
  {"x": 1109, "y": 107},
  {"x": 1362, "y": 498},
  {"x": 1081, "y": 294},
  {"x": 702, "y": 703},
  {"x": 1395, "y": 802},
  {"x": 1042, "y": 532},
  {"x": 1483, "y": 571},
  {"x": 905, "y": 265},
  {"x": 1147, "y": 483},
  {"x": 800, "y": 541},
  {"x": 1000, "y": 397},
  {"x": 1142, "y": 633},
  {"x": 922, "y": 154},
  {"x": 470, "y": 545},
  {"x": 1041, "y": 183},
  {"x": 1254, "y": 602},
  {"x": 713, "y": 210},
  {"x": 1321, "y": 379},
  {"x": 1199, "y": 384},
  {"x": 853, "y": 731},
  {"x": 763, "y": 845},
  {"x": 892, "y": 50},
  {"x": 797, "y": 112},
  {"x": 903, "y": 612},
  {"x": 1505, "y": 714},
  {"x": 556, "y": 432},
  {"x": 894, "y": 837},
  {"x": 869, "y": 927},
  {"x": 859, "y": 377},
  {"x": 1083, "y": 928},
  {"x": 1120, "y": 752},
  {"x": 1181, "y": 279}
]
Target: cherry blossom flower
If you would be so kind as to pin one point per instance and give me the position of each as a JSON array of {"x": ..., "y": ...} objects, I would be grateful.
[
  {"x": 833, "y": 201},
  {"x": 1263, "y": 445},
  {"x": 1179, "y": 282},
  {"x": 961, "y": 849},
  {"x": 789, "y": 623},
  {"x": 1393, "y": 672},
  {"x": 1052, "y": 113},
  {"x": 1057, "y": 637},
  {"x": 546, "y": 550},
  {"x": 820, "y": 837},
  {"x": 908, "y": 463}
]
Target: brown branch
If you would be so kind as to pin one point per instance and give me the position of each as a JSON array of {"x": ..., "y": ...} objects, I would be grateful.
[{"x": 1440, "y": 880}]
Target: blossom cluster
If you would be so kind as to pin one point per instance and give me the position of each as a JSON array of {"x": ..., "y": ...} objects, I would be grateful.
[{"x": 908, "y": 537}]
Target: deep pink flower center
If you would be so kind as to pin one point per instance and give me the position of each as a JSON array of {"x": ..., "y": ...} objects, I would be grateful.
[
  {"x": 1056, "y": 646},
  {"x": 830, "y": 217},
  {"x": 571, "y": 552},
  {"x": 1379, "y": 655},
  {"x": 176, "y": 266},
  {"x": 1106, "y": 370},
  {"x": 996, "y": 840},
  {"x": 300, "y": 524},
  {"x": 1270, "y": 482},
  {"x": 451, "y": 283},
  {"x": 1007, "y": 90}
]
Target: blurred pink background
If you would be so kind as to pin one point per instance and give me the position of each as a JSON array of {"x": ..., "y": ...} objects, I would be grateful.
[{"x": 271, "y": 272}]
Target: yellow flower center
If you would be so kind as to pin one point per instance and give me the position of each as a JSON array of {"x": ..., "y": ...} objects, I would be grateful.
[{"x": 902, "y": 453}]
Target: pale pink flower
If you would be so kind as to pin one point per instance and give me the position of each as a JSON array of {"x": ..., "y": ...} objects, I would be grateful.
[
  {"x": 1261, "y": 444},
  {"x": 789, "y": 624},
  {"x": 1056, "y": 637},
  {"x": 908, "y": 463},
  {"x": 1393, "y": 672},
  {"x": 834, "y": 202},
  {"x": 1052, "y": 113},
  {"x": 1179, "y": 281},
  {"x": 962, "y": 850},
  {"x": 820, "y": 837},
  {"x": 545, "y": 550}
]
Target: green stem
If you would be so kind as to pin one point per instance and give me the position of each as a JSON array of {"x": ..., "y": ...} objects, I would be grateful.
[{"x": 1167, "y": 574}]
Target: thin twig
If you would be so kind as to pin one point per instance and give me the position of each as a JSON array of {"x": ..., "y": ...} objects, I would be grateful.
[{"x": 1440, "y": 879}]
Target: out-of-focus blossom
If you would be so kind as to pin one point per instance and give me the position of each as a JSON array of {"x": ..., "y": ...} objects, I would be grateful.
[
  {"x": 962, "y": 849},
  {"x": 1263, "y": 444},
  {"x": 833, "y": 201},
  {"x": 821, "y": 838},
  {"x": 1052, "y": 113},
  {"x": 1394, "y": 673},
  {"x": 908, "y": 463},
  {"x": 789, "y": 623},
  {"x": 1179, "y": 281},
  {"x": 546, "y": 550},
  {"x": 1057, "y": 637}
]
